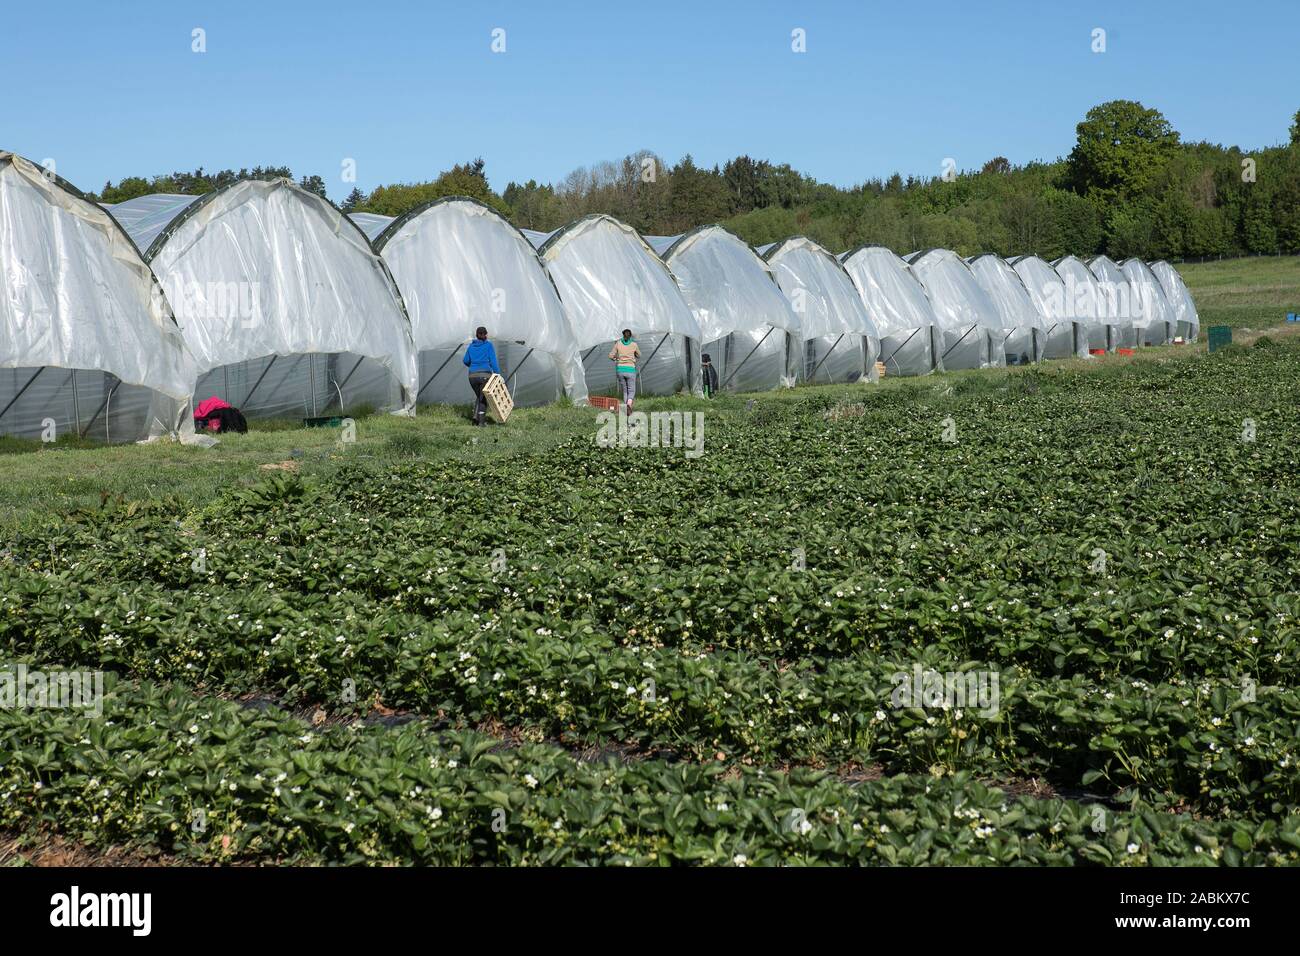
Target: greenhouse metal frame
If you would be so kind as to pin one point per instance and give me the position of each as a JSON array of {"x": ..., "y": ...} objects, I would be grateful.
[
  {"x": 1188, "y": 321},
  {"x": 1085, "y": 302},
  {"x": 87, "y": 339},
  {"x": 1160, "y": 319},
  {"x": 1024, "y": 335},
  {"x": 840, "y": 342},
  {"x": 748, "y": 330},
  {"x": 1064, "y": 337},
  {"x": 284, "y": 305},
  {"x": 910, "y": 332},
  {"x": 972, "y": 327},
  {"x": 460, "y": 264},
  {"x": 610, "y": 279},
  {"x": 1118, "y": 301}
]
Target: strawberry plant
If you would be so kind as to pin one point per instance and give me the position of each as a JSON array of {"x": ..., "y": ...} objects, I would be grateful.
[{"x": 1106, "y": 545}]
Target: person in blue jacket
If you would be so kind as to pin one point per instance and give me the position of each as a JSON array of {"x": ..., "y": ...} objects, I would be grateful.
[{"x": 481, "y": 360}]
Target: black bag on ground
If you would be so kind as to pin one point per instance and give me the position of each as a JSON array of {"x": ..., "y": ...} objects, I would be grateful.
[{"x": 227, "y": 420}]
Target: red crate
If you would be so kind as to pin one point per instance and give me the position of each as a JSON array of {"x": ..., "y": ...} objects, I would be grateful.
[
  {"x": 600, "y": 401},
  {"x": 1096, "y": 351},
  {"x": 1124, "y": 351}
]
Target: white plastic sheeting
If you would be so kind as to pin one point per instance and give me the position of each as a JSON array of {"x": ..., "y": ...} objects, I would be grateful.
[
  {"x": 146, "y": 217},
  {"x": 285, "y": 307},
  {"x": 1062, "y": 337},
  {"x": 610, "y": 279},
  {"x": 1180, "y": 300},
  {"x": 901, "y": 311},
  {"x": 972, "y": 327},
  {"x": 749, "y": 332},
  {"x": 1023, "y": 328},
  {"x": 1119, "y": 301},
  {"x": 460, "y": 264},
  {"x": 1159, "y": 320},
  {"x": 372, "y": 224},
  {"x": 840, "y": 342},
  {"x": 87, "y": 342},
  {"x": 1086, "y": 302}
]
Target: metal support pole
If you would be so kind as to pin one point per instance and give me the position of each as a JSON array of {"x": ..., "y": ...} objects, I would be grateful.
[
  {"x": 812, "y": 376},
  {"x": 438, "y": 371},
  {"x": 102, "y": 406},
  {"x": 959, "y": 341},
  {"x": 519, "y": 366},
  {"x": 76, "y": 404},
  {"x": 259, "y": 379},
  {"x": 21, "y": 390},
  {"x": 770, "y": 330},
  {"x": 886, "y": 359}
]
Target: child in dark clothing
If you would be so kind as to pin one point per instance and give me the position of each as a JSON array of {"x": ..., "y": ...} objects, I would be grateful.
[{"x": 710, "y": 375}]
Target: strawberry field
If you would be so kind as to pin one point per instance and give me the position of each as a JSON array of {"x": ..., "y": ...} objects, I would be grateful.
[{"x": 623, "y": 655}]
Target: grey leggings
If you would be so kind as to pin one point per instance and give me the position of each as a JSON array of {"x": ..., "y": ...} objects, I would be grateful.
[{"x": 627, "y": 385}]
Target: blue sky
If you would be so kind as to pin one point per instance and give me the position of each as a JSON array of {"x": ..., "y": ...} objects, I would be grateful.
[{"x": 406, "y": 89}]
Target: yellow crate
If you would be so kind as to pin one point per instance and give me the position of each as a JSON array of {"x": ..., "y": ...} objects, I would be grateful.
[{"x": 499, "y": 402}]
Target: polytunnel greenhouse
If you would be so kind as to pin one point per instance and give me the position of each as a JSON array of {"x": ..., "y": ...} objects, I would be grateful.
[
  {"x": 1188, "y": 322},
  {"x": 1085, "y": 302},
  {"x": 973, "y": 331},
  {"x": 840, "y": 342},
  {"x": 282, "y": 302},
  {"x": 1119, "y": 301},
  {"x": 910, "y": 334},
  {"x": 747, "y": 328},
  {"x": 1021, "y": 323},
  {"x": 88, "y": 345},
  {"x": 1159, "y": 319},
  {"x": 459, "y": 264},
  {"x": 1063, "y": 337},
  {"x": 610, "y": 279}
]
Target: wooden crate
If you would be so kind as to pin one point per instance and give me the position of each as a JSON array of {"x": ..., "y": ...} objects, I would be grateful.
[
  {"x": 880, "y": 370},
  {"x": 499, "y": 402}
]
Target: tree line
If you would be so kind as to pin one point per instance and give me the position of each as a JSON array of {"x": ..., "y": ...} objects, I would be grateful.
[
  {"x": 197, "y": 183},
  {"x": 1129, "y": 187}
]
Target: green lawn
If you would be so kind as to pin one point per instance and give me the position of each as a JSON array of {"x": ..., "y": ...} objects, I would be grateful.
[{"x": 1254, "y": 293}]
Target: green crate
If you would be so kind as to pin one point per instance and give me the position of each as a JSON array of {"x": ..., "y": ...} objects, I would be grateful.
[
  {"x": 329, "y": 421},
  {"x": 1220, "y": 335}
]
